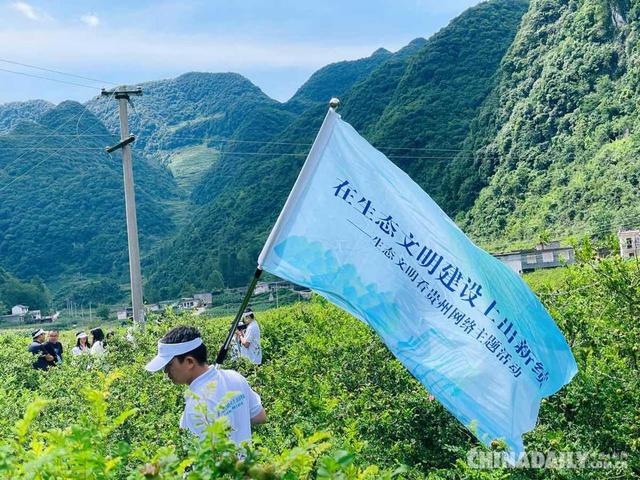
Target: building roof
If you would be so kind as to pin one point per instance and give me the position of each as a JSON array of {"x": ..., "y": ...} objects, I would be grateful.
[{"x": 533, "y": 250}]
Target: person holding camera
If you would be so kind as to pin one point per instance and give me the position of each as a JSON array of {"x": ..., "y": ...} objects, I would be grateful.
[
  {"x": 44, "y": 359},
  {"x": 248, "y": 335}
]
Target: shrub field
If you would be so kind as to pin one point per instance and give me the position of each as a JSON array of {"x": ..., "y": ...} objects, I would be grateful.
[{"x": 339, "y": 404}]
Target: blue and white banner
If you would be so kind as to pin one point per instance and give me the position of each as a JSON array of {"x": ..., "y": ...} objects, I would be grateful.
[{"x": 357, "y": 230}]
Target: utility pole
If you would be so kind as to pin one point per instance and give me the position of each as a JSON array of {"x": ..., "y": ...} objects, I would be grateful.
[
  {"x": 123, "y": 95},
  {"x": 90, "y": 319}
]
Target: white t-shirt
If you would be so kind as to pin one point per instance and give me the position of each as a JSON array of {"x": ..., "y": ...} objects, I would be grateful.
[
  {"x": 210, "y": 388},
  {"x": 97, "y": 348},
  {"x": 79, "y": 351},
  {"x": 254, "y": 351}
]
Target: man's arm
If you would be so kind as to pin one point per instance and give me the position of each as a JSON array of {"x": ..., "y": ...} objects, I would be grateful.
[{"x": 259, "y": 418}]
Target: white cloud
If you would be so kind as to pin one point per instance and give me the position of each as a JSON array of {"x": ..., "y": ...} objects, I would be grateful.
[
  {"x": 29, "y": 11},
  {"x": 91, "y": 20},
  {"x": 183, "y": 52}
]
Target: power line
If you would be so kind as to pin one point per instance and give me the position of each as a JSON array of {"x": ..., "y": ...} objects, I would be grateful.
[
  {"x": 258, "y": 142},
  {"x": 59, "y": 72},
  {"x": 225, "y": 152},
  {"x": 30, "y": 169},
  {"x": 47, "y": 78}
]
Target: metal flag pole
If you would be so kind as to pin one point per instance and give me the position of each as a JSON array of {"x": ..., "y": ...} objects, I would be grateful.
[
  {"x": 307, "y": 170},
  {"x": 222, "y": 354}
]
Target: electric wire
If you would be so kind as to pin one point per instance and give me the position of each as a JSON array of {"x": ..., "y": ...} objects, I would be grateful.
[
  {"x": 33, "y": 167},
  {"x": 47, "y": 78},
  {"x": 59, "y": 72}
]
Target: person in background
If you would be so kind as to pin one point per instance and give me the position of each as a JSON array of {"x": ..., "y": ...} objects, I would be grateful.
[
  {"x": 250, "y": 338},
  {"x": 212, "y": 392},
  {"x": 82, "y": 344},
  {"x": 98, "y": 342},
  {"x": 54, "y": 347},
  {"x": 44, "y": 360}
]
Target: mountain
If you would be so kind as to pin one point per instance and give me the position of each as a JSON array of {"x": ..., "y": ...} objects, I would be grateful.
[
  {"x": 335, "y": 79},
  {"x": 556, "y": 146},
  {"x": 15, "y": 112},
  {"x": 62, "y": 204},
  {"x": 245, "y": 156},
  {"x": 185, "y": 122},
  {"x": 241, "y": 192},
  {"x": 239, "y": 200},
  {"x": 443, "y": 87},
  {"x": 520, "y": 120}
]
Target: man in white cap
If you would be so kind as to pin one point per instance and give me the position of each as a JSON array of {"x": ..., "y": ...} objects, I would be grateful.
[
  {"x": 44, "y": 360},
  {"x": 183, "y": 356}
]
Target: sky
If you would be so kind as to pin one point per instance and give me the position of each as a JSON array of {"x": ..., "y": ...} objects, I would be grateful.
[{"x": 277, "y": 44}]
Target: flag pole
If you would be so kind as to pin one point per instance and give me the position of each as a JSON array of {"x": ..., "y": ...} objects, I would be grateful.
[
  {"x": 306, "y": 172},
  {"x": 222, "y": 354},
  {"x": 308, "y": 169}
]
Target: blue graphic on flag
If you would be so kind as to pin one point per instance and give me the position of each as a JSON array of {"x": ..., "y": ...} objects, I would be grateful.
[{"x": 357, "y": 230}]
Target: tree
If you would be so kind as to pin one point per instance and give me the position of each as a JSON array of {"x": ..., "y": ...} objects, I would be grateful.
[{"x": 103, "y": 312}]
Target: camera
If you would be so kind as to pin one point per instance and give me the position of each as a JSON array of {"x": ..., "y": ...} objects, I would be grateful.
[{"x": 242, "y": 326}]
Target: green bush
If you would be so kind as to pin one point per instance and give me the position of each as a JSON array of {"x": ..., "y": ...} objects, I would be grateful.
[{"x": 323, "y": 371}]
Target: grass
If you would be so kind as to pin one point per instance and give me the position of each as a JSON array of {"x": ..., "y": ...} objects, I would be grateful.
[{"x": 189, "y": 164}]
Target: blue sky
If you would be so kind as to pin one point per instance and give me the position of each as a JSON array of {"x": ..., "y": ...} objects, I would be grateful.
[{"x": 277, "y": 44}]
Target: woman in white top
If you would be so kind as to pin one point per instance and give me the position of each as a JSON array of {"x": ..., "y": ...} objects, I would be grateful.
[
  {"x": 250, "y": 338},
  {"x": 82, "y": 344},
  {"x": 99, "y": 343}
]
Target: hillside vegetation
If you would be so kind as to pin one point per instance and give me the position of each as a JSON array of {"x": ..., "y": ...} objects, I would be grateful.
[
  {"x": 324, "y": 370},
  {"x": 556, "y": 147},
  {"x": 12, "y": 113},
  {"x": 62, "y": 208},
  {"x": 402, "y": 102},
  {"x": 15, "y": 292},
  {"x": 518, "y": 118}
]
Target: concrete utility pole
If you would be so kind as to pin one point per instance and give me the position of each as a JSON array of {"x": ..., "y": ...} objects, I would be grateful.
[{"x": 123, "y": 94}]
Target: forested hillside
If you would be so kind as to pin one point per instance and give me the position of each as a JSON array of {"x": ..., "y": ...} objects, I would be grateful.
[
  {"x": 15, "y": 112},
  {"x": 62, "y": 208},
  {"x": 431, "y": 103},
  {"x": 186, "y": 122},
  {"x": 519, "y": 127},
  {"x": 15, "y": 292},
  {"x": 407, "y": 93},
  {"x": 556, "y": 147}
]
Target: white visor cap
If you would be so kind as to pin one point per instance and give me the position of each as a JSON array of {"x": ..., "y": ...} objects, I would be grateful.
[{"x": 166, "y": 351}]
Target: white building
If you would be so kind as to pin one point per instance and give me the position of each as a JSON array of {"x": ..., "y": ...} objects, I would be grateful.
[
  {"x": 153, "y": 307},
  {"x": 549, "y": 255},
  {"x": 629, "y": 243},
  {"x": 19, "y": 310},
  {"x": 125, "y": 313},
  {"x": 261, "y": 287},
  {"x": 36, "y": 314},
  {"x": 189, "y": 303},
  {"x": 205, "y": 298}
]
